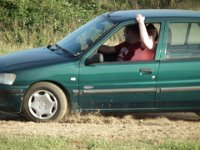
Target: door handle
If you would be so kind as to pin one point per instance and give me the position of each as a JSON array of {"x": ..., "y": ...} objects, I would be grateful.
[{"x": 145, "y": 71}]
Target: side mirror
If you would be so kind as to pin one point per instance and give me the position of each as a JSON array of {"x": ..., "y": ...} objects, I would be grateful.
[{"x": 97, "y": 58}]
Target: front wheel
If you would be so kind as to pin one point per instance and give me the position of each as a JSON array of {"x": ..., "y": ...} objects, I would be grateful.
[{"x": 45, "y": 102}]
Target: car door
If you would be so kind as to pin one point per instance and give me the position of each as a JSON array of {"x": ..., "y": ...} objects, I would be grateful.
[
  {"x": 117, "y": 85},
  {"x": 179, "y": 71}
]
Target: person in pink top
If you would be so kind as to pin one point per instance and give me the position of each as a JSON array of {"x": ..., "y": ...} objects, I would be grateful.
[
  {"x": 140, "y": 42},
  {"x": 148, "y": 39}
]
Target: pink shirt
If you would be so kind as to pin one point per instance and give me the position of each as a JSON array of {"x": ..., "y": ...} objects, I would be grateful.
[
  {"x": 126, "y": 50},
  {"x": 142, "y": 55}
]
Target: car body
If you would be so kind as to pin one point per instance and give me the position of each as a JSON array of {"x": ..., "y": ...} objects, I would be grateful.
[{"x": 44, "y": 83}]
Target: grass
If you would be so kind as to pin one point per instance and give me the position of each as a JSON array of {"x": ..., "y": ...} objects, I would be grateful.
[{"x": 89, "y": 143}]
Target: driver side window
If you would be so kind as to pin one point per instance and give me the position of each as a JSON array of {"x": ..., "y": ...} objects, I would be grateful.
[
  {"x": 125, "y": 45},
  {"x": 116, "y": 38},
  {"x": 113, "y": 41}
]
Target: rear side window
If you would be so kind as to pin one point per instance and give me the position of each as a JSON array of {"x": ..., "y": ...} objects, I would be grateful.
[
  {"x": 194, "y": 35},
  {"x": 183, "y": 40}
]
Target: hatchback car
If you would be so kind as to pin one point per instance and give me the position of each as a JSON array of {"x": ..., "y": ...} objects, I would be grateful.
[{"x": 47, "y": 83}]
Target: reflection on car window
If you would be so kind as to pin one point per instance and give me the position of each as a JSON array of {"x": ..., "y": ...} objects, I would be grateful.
[
  {"x": 183, "y": 40},
  {"x": 83, "y": 37},
  {"x": 87, "y": 37}
]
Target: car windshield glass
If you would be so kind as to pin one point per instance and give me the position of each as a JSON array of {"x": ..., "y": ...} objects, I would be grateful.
[{"x": 83, "y": 37}]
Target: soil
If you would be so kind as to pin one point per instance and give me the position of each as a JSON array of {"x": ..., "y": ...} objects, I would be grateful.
[{"x": 148, "y": 126}]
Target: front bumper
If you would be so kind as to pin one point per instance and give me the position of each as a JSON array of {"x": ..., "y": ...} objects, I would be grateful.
[{"x": 11, "y": 98}]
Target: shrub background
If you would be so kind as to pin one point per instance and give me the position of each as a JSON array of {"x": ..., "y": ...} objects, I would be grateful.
[{"x": 25, "y": 23}]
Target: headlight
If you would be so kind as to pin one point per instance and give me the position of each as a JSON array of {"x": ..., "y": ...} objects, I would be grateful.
[{"x": 7, "y": 78}]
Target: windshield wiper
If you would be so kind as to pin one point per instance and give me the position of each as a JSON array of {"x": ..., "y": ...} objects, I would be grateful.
[
  {"x": 57, "y": 47},
  {"x": 64, "y": 49},
  {"x": 49, "y": 46}
]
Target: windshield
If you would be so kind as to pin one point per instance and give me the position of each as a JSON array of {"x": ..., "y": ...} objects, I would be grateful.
[{"x": 83, "y": 37}]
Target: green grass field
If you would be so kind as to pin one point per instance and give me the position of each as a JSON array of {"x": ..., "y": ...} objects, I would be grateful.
[{"x": 86, "y": 143}]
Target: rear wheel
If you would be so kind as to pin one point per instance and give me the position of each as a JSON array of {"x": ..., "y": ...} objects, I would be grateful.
[{"x": 45, "y": 102}]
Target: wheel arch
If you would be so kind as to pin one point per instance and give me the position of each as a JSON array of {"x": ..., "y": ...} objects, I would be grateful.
[{"x": 65, "y": 91}]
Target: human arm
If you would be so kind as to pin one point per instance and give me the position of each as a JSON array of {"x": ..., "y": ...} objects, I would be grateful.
[
  {"x": 107, "y": 49},
  {"x": 146, "y": 40}
]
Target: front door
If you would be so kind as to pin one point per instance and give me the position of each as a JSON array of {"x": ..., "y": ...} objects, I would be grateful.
[
  {"x": 118, "y": 85},
  {"x": 115, "y": 85}
]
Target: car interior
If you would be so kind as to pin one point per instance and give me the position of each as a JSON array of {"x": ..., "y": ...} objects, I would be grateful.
[{"x": 118, "y": 38}]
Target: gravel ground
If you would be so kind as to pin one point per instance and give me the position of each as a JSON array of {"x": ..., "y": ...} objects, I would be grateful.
[{"x": 149, "y": 126}]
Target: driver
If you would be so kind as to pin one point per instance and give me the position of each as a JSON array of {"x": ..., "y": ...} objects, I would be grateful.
[{"x": 126, "y": 49}]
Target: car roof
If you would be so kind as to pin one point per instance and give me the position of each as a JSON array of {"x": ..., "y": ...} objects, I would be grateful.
[{"x": 152, "y": 13}]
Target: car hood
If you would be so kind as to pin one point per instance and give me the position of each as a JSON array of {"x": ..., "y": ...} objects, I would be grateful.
[{"x": 32, "y": 58}]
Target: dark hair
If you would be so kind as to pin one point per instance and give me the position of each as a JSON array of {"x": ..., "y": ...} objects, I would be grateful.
[
  {"x": 134, "y": 28},
  {"x": 150, "y": 26}
]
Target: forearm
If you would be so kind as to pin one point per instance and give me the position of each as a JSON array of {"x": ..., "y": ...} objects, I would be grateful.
[
  {"x": 144, "y": 37},
  {"x": 106, "y": 49}
]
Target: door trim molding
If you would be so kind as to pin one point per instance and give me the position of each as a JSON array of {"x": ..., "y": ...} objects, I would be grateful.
[
  {"x": 180, "y": 89},
  {"x": 111, "y": 91},
  {"x": 137, "y": 90}
]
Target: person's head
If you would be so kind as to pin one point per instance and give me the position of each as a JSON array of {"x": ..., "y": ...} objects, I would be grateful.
[
  {"x": 131, "y": 33},
  {"x": 152, "y": 31}
]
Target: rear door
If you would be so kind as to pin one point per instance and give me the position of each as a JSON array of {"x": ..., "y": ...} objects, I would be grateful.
[{"x": 179, "y": 71}]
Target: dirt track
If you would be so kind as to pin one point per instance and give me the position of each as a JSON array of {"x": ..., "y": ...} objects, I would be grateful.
[{"x": 156, "y": 127}]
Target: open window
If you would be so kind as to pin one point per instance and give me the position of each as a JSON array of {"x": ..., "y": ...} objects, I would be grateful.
[
  {"x": 113, "y": 41},
  {"x": 119, "y": 37}
]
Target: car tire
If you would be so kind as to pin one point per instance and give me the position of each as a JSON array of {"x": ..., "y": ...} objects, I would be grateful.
[{"x": 45, "y": 102}]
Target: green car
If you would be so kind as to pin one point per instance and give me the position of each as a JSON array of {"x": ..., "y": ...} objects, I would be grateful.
[{"x": 47, "y": 83}]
